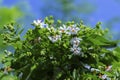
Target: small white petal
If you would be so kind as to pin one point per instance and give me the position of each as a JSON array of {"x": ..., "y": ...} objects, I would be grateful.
[
  {"x": 93, "y": 69},
  {"x": 87, "y": 66},
  {"x": 109, "y": 68},
  {"x": 54, "y": 38},
  {"x": 104, "y": 76},
  {"x": 40, "y": 23}
]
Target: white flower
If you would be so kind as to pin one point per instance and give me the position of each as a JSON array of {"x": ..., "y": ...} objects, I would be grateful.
[
  {"x": 93, "y": 69},
  {"x": 75, "y": 41},
  {"x": 43, "y": 25},
  {"x": 37, "y": 22},
  {"x": 108, "y": 68},
  {"x": 73, "y": 29},
  {"x": 63, "y": 29},
  {"x": 87, "y": 66},
  {"x": 40, "y": 23},
  {"x": 104, "y": 76},
  {"x": 75, "y": 50},
  {"x": 54, "y": 38},
  {"x": 8, "y": 53}
]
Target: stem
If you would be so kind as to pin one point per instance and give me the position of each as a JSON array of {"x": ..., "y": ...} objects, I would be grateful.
[
  {"x": 32, "y": 69},
  {"x": 27, "y": 78},
  {"x": 23, "y": 68}
]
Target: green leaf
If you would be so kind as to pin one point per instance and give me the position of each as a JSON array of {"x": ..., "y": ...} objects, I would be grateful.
[
  {"x": 101, "y": 41},
  {"x": 8, "y": 77},
  {"x": 18, "y": 45},
  {"x": 74, "y": 73}
]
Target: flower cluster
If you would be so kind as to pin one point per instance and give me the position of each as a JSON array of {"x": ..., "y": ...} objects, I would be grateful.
[
  {"x": 69, "y": 30},
  {"x": 75, "y": 46},
  {"x": 102, "y": 76}
]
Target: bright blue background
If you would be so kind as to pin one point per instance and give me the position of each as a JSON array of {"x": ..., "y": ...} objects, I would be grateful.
[{"x": 105, "y": 11}]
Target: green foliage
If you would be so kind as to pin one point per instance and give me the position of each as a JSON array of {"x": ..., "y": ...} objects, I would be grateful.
[
  {"x": 60, "y": 52},
  {"x": 8, "y": 15}
]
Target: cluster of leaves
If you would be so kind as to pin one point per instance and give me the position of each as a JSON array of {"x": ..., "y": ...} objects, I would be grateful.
[{"x": 43, "y": 55}]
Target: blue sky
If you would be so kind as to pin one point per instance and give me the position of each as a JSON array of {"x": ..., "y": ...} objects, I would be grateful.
[{"x": 105, "y": 11}]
